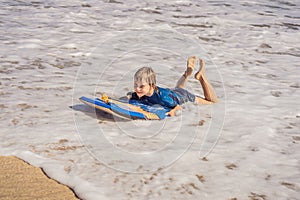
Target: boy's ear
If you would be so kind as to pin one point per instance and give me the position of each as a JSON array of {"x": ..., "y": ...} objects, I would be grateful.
[{"x": 154, "y": 87}]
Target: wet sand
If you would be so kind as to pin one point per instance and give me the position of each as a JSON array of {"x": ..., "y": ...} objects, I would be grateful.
[{"x": 19, "y": 180}]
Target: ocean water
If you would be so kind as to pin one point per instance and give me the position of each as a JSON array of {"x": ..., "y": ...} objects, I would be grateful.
[{"x": 244, "y": 147}]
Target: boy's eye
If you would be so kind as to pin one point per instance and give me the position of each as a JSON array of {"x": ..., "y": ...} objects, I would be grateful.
[{"x": 140, "y": 86}]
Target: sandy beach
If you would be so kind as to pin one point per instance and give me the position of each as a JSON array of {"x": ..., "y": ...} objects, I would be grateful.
[
  {"x": 246, "y": 147},
  {"x": 19, "y": 180}
]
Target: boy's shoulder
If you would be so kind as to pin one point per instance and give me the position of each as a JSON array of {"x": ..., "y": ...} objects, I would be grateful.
[
  {"x": 162, "y": 91},
  {"x": 132, "y": 95}
]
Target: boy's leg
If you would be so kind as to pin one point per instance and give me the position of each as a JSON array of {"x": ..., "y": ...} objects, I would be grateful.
[
  {"x": 209, "y": 92},
  {"x": 189, "y": 70}
]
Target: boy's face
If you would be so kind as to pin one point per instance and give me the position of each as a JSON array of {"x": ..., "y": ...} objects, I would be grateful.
[{"x": 143, "y": 89}]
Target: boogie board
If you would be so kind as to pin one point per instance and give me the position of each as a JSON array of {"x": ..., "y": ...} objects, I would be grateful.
[{"x": 129, "y": 109}]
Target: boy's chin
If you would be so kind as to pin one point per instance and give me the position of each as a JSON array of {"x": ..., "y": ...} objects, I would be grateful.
[{"x": 140, "y": 95}]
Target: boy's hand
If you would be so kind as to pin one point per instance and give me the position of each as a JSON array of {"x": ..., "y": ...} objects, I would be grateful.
[
  {"x": 105, "y": 98},
  {"x": 172, "y": 112}
]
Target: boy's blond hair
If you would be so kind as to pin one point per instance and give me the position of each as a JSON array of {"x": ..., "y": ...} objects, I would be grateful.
[{"x": 145, "y": 75}]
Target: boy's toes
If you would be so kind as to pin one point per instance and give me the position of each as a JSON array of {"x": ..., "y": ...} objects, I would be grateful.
[
  {"x": 190, "y": 65},
  {"x": 192, "y": 61},
  {"x": 201, "y": 70},
  {"x": 202, "y": 63}
]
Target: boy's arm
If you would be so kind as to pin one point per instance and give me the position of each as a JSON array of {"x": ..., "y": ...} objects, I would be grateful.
[
  {"x": 173, "y": 111},
  {"x": 132, "y": 96}
]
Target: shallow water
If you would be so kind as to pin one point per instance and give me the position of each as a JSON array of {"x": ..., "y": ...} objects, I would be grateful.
[{"x": 52, "y": 52}]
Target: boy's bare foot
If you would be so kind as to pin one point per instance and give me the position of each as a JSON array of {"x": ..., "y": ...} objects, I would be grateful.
[
  {"x": 190, "y": 66},
  {"x": 201, "y": 71}
]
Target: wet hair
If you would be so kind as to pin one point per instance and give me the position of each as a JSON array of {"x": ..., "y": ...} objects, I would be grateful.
[{"x": 145, "y": 75}]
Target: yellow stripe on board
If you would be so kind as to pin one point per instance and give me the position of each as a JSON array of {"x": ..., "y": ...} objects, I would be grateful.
[{"x": 148, "y": 115}]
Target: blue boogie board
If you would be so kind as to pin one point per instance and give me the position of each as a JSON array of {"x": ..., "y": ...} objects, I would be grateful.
[{"x": 132, "y": 109}]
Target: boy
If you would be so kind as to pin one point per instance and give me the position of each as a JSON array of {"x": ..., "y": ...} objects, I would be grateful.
[{"x": 146, "y": 90}]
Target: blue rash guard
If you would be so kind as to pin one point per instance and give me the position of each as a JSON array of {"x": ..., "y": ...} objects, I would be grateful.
[{"x": 166, "y": 97}]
